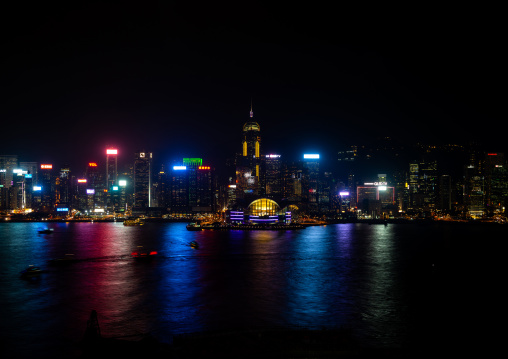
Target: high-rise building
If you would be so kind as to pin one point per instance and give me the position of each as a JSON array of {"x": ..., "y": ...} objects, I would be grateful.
[
  {"x": 97, "y": 197},
  {"x": 7, "y": 164},
  {"x": 143, "y": 180},
  {"x": 179, "y": 193},
  {"x": 249, "y": 179},
  {"x": 47, "y": 184},
  {"x": 204, "y": 187},
  {"x": 273, "y": 177},
  {"x": 311, "y": 181},
  {"x": 111, "y": 167}
]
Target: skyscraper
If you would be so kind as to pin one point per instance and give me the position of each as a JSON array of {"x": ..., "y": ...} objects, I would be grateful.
[
  {"x": 249, "y": 179},
  {"x": 111, "y": 167},
  {"x": 273, "y": 177},
  {"x": 143, "y": 180},
  {"x": 311, "y": 181}
]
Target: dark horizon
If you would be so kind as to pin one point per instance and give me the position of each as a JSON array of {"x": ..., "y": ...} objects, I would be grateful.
[{"x": 179, "y": 81}]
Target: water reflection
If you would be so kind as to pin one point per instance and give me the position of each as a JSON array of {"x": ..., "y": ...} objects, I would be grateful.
[
  {"x": 178, "y": 288},
  {"x": 315, "y": 280},
  {"x": 356, "y": 275},
  {"x": 381, "y": 308}
]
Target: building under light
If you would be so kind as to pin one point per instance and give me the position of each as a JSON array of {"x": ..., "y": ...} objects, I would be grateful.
[
  {"x": 261, "y": 211},
  {"x": 375, "y": 199},
  {"x": 249, "y": 179},
  {"x": 143, "y": 180}
]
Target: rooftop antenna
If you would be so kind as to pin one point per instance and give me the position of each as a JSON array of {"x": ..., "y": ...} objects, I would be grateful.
[{"x": 251, "y": 113}]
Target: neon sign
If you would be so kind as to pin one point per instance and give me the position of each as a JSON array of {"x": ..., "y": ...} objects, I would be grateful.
[
  {"x": 111, "y": 151},
  {"x": 81, "y": 180},
  {"x": 179, "y": 168},
  {"x": 203, "y": 167},
  {"x": 46, "y": 166},
  {"x": 92, "y": 164}
]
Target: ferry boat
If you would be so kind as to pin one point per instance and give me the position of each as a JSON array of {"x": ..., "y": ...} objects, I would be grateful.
[
  {"x": 67, "y": 259},
  {"x": 46, "y": 231},
  {"x": 30, "y": 271},
  {"x": 133, "y": 222},
  {"x": 194, "y": 227},
  {"x": 142, "y": 253}
]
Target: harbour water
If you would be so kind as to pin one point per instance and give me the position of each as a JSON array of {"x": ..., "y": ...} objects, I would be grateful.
[{"x": 417, "y": 288}]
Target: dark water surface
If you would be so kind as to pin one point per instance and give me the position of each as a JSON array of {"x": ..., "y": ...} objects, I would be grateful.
[{"x": 422, "y": 288}]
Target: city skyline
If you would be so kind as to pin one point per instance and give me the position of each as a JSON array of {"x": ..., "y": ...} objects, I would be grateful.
[{"x": 77, "y": 79}]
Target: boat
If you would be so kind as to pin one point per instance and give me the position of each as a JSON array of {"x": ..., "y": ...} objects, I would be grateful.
[
  {"x": 142, "y": 253},
  {"x": 194, "y": 227},
  {"x": 194, "y": 244},
  {"x": 46, "y": 231},
  {"x": 133, "y": 222},
  {"x": 30, "y": 271},
  {"x": 67, "y": 259}
]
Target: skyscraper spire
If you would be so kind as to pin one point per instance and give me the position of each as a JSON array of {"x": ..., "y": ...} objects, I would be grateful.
[{"x": 251, "y": 113}]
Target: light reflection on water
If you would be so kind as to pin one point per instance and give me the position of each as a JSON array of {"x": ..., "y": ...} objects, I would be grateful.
[{"x": 374, "y": 279}]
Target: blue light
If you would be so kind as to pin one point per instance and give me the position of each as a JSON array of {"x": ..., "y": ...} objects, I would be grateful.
[{"x": 179, "y": 168}]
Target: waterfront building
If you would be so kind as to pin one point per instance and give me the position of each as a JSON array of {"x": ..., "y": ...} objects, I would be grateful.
[
  {"x": 376, "y": 199},
  {"x": 261, "y": 211}
]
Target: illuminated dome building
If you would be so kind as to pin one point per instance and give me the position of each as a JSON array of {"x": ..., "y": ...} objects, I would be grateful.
[{"x": 261, "y": 211}]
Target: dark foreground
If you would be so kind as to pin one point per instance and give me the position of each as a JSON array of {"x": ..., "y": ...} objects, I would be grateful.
[
  {"x": 272, "y": 343},
  {"x": 241, "y": 344}
]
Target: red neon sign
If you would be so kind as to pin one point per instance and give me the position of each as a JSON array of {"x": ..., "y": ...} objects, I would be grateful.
[
  {"x": 46, "y": 166},
  {"x": 92, "y": 164}
]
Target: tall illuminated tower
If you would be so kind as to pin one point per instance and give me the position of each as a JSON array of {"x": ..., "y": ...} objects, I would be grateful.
[{"x": 248, "y": 166}]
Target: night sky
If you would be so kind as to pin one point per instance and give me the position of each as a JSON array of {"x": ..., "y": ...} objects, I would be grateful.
[{"x": 178, "y": 80}]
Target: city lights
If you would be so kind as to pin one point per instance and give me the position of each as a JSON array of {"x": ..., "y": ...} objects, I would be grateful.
[
  {"x": 92, "y": 164},
  {"x": 311, "y": 156},
  {"x": 46, "y": 166},
  {"x": 179, "y": 168},
  {"x": 111, "y": 151}
]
